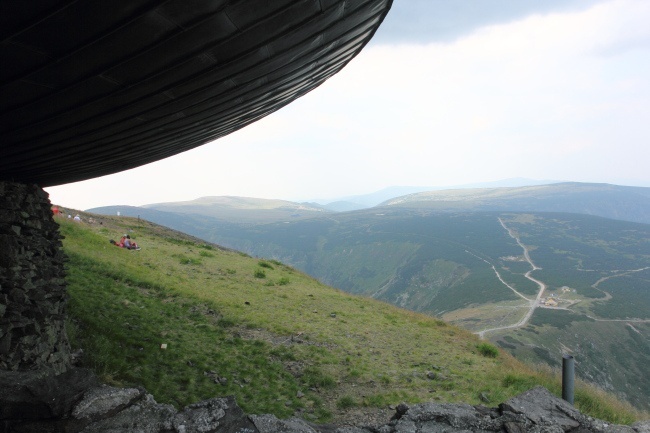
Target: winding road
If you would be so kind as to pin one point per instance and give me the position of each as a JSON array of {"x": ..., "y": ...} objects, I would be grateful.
[
  {"x": 532, "y": 303},
  {"x": 535, "y": 303}
]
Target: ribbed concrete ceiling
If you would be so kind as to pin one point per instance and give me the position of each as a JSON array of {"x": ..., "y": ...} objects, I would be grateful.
[{"x": 89, "y": 88}]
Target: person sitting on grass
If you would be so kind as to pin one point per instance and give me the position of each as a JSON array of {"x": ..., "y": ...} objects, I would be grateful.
[
  {"x": 129, "y": 244},
  {"x": 126, "y": 242}
]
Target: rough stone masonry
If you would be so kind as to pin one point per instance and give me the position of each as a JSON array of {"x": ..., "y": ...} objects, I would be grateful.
[{"x": 32, "y": 284}]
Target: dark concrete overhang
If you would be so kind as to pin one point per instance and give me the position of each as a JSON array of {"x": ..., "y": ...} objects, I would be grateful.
[{"x": 94, "y": 87}]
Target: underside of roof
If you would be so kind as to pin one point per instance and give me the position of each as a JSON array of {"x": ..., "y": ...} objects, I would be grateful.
[{"x": 90, "y": 88}]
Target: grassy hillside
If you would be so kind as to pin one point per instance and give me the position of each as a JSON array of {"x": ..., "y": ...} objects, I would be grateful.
[
  {"x": 278, "y": 340},
  {"x": 468, "y": 269},
  {"x": 446, "y": 264}
]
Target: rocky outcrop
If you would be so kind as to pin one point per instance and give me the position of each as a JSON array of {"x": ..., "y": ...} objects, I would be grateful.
[
  {"x": 536, "y": 411},
  {"x": 75, "y": 403},
  {"x": 32, "y": 285}
]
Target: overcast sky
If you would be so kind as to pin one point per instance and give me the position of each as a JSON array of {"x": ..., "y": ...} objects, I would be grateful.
[{"x": 447, "y": 93}]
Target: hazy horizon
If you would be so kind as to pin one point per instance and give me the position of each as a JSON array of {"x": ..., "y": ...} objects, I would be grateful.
[
  {"x": 446, "y": 94},
  {"x": 372, "y": 198}
]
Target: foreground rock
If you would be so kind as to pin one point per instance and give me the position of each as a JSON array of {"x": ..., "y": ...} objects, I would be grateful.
[
  {"x": 536, "y": 410},
  {"x": 75, "y": 402}
]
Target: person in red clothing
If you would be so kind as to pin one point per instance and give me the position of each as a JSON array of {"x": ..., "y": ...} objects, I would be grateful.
[{"x": 120, "y": 243}]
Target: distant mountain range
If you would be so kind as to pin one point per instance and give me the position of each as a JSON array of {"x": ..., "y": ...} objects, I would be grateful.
[
  {"x": 364, "y": 201},
  {"x": 241, "y": 209},
  {"x": 626, "y": 203}
]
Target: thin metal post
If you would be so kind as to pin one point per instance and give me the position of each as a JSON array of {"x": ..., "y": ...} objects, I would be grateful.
[{"x": 568, "y": 370}]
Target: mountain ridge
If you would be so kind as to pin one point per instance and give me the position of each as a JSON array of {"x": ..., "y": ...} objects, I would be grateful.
[
  {"x": 599, "y": 199},
  {"x": 237, "y": 202},
  {"x": 364, "y": 201},
  {"x": 627, "y": 203}
]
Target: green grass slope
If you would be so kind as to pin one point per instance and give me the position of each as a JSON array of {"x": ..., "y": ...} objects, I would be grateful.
[
  {"x": 446, "y": 264},
  {"x": 277, "y": 340}
]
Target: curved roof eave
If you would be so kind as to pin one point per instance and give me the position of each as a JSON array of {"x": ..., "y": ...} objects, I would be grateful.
[{"x": 94, "y": 88}]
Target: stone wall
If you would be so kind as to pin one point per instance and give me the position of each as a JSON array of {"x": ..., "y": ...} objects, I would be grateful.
[{"x": 32, "y": 285}]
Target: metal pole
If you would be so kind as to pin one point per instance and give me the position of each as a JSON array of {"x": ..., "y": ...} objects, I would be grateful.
[{"x": 567, "y": 377}]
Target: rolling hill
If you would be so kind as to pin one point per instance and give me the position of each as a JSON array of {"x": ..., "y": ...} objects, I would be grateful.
[
  {"x": 626, "y": 203},
  {"x": 242, "y": 209}
]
